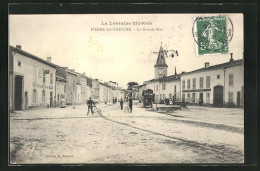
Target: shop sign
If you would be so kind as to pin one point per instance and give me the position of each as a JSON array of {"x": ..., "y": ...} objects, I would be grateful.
[{"x": 197, "y": 90}]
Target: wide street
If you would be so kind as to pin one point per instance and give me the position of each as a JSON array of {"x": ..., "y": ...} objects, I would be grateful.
[{"x": 69, "y": 136}]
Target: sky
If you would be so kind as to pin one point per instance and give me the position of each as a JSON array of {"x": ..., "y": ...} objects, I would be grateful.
[{"x": 75, "y": 41}]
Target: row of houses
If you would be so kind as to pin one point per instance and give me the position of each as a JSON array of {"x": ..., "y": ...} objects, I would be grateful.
[
  {"x": 216, "y": 85},
  {"x": 37, "y": 82}
]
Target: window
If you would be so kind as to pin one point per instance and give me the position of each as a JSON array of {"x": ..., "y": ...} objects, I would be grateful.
[
  {"x": 170, "y": 96},
  {"x": 230, "y": 97},
  {"x": 163, "y": 96},
  {"x": 64, "y": 89},
  {"x": 183, "y": 96},
  {"x": 163, "y": 87},
  {"x": 183, "y": 84},
  {"x": 43, "y": 76},
  {"x": 175, "y": 88},
  {"x": 231, "y": 79},
  {"x": 201, "y": 82},
  {"x": 19, "y": 63},
  {"x": 194, "y": 83},
  {"x": 157, "y": 87},
  {"x": 188, "y": 84},
  {"x": 218, "y": 76},
  {"x": 193, "y": 97},
  {"x": 51, "y": 78},
  {"x": 208, "y": 82}
]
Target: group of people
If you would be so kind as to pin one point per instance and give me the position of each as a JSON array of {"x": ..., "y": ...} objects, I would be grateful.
[
  {"x": 130, "y": 103},
  {"x": 92, "y": 104}
]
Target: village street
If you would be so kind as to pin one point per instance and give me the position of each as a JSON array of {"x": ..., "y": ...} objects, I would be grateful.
[{"x": 68, "y": 135}]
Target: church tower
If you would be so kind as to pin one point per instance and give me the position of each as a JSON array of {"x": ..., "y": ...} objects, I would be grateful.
[{"x": 160, "y": 66}]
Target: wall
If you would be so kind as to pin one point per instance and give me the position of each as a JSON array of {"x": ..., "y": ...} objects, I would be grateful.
[
  {"x": 238, "y": 83},
  {"x": 71, "y": 88},
  {"x": 60, "y": 92}
]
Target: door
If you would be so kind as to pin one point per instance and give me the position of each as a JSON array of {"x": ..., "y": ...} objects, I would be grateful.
[
  {"x": 51, "y": 99},
  {"x": 218, "y": 96},
  {"x": 18, "y": 92},
  {"x": 238, "y": 99},
  {"x": 201, "y": 99}
]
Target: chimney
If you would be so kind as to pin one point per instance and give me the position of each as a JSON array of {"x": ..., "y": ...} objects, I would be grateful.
[
  {"x": 66, "y": 68},
  {"x": 49, "y": 59},
  {"x": 73, "y": 70},
  {"x": 231, "y": 57},
  {"x": 84, "y": 73},
  {"x": 206, "y": 64},
  {"x": 175, "y": 71},
  {"x": 19, "y": 47}
]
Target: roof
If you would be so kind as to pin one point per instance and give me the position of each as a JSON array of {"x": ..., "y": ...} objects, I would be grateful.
[
  {"x": 22, "y": 52},
  {"x": 218, "y": 66},
  {"x": 161, "y": 59},
  {"x": 168, "y": 78}
]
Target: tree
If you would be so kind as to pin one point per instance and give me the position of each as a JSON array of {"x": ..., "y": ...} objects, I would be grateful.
[{"x": 131, "y": 84}]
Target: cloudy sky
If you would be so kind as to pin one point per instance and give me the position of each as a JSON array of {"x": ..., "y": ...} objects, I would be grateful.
[{"x": 120, "y": 56}]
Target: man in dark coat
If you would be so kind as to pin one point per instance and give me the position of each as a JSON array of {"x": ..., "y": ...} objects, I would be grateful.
[
  {"x": 131, "y": 104},
  {"x": 90, "y": 105},
  {"x": 121, "y": 103}
]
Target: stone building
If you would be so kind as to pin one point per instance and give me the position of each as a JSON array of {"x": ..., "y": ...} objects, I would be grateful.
[
  {"x": 216, "y": 85},
  {"x": 71, "y": 87},
  {"x": 31, "y": 80},
  {"x": 61, "y": 83}
]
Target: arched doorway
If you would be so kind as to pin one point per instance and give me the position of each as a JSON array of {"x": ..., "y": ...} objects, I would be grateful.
[{"x": 218, "y": 96}]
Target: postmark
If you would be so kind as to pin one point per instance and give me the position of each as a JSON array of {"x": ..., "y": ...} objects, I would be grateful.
[{"x": 212, "y": 34}]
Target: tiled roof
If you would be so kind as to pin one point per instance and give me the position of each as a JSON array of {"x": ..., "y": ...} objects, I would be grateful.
[
  {"x": 22, "y": 52},
  {"x": 218, "y": 66},
  {"x": 168, "y": 78}
]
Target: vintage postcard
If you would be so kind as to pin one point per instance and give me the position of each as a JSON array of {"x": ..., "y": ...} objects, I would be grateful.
[{"x": 126, "y": 88}]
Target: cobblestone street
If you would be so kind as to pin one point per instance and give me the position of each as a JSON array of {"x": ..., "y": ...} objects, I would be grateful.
[{"x": 68, "y": 135}]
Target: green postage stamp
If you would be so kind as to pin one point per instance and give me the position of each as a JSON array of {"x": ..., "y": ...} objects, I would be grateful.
[{"x": 211, "y": 35}]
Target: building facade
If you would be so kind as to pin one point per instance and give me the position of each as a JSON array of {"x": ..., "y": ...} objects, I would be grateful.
[
  {"x": 216, "y": 85},
  {"x": 61, "y": 83},
  {"x": 32, "y": 80}
]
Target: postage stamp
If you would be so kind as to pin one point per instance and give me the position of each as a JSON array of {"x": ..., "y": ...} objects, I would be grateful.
[{"x": 212, "y": 34}]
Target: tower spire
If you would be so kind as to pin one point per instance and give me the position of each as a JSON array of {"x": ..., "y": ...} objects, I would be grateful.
[{"x": 175, "y": 71}]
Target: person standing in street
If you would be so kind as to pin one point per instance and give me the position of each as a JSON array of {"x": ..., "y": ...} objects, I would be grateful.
[
  {"x": 131, "y": 104},
  {"x": 90, "y": 106},
  {"x": 121, "y": 103}
]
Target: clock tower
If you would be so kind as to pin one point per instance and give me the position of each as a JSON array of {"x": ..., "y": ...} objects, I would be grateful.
[{"x": 160, "y": 66}]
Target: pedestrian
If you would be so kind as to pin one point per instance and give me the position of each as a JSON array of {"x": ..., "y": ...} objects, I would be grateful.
[
  {"x": 62, "y": 103},
  {"x": 131, "y": 104},
  {"x": 121, "y": 103},
  {"x": 90, "y": 106},
  {"x": 113, "y": 100}
]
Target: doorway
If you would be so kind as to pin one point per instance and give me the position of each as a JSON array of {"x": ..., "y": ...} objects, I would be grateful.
[
  {"x": 238, "y": 99},
  {"x": 51, "y": 99},
  {"x": 18, "y": 92},
  {"x": 201, "y": 99},
  {"x": 218, "y": 96}
]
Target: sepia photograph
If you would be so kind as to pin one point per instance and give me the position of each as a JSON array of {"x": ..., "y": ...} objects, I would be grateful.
[{"x": 126, "y": 88}]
